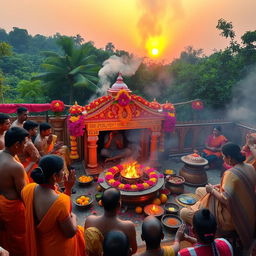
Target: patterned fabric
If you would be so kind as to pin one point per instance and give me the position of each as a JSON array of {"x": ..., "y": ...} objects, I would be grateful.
[{"x": 223, "y": 248}]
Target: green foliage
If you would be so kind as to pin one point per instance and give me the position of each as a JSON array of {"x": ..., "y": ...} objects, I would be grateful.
[
  {"x": 226, "y": 28},
  {"x": 5, "y": 49},
  {"x": 31, "y": 91},
  {"x": 68, "y": 68},
  {"x": 72, "y": 71}
]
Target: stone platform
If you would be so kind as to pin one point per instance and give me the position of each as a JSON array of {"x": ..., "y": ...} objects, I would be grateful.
[{"x": 129, "y": 214}]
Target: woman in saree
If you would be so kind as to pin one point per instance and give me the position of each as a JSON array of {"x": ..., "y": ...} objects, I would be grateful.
[
  {"x": 250, "y": 149},
  {"x": 233, "y": 201},
  {"x": 213, "y": 144},
  {"x": 51, "y": 227}
]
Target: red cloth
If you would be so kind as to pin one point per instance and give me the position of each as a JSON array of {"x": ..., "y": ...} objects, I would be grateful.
[
  {"x": 12, "y": 108},
  {"x": 223, "y": 247}
]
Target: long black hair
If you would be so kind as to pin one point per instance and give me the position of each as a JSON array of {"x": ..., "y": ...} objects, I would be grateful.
[
  {"x": 205, "y": 226},
  {"x": 48, "y": 165},
  {"x": 232, "y": 150}
]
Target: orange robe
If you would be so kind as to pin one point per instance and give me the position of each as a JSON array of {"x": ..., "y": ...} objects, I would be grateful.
[
  {"x": 12, "y": 226},
  {"x": 215, "y": 142},
  {"x": 46, "y": 238}
]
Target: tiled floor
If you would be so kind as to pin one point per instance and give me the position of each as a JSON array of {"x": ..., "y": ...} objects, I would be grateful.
[{"x": 172, "y": 163}]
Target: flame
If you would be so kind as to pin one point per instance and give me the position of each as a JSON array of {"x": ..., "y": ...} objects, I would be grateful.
[
  {"x": 130, "y": 171},
  {"x": 195, "y": 155},
  {"x": 154, "y": 209}
]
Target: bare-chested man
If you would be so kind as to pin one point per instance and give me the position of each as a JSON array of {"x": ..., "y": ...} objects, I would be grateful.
[
  {"x": 5, "y": 124},
  {"x": 22, "y": 116},
  {"x": 30, "y": 155},
  {"x": 12, "y": 181},
  {"x": 111, "y": 201}
]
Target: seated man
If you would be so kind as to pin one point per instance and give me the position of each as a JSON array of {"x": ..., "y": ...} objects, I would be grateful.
[
  {"x": 30, "y": 155},
  {"x": 5, "y": 124},
  {"x": 22, "y": 116},
  {"x": 107, "y": 222},
  {"x": 215, "y": 141},
  {"x": 116, "y": 243},
  {"x": 114, "y": 147},
  {"x": 152, "y": 234}
]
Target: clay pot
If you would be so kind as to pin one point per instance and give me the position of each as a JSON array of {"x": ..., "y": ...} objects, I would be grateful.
[{"x": 175, "y": 188}]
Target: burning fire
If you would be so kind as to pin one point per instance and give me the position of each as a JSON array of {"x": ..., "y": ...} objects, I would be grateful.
[
  {"x": 154, "y": 209},
  {"x": 131, "y": 171}
]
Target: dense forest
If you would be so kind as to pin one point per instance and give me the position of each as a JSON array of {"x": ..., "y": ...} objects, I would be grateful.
[{"x": 38, "y": 69}]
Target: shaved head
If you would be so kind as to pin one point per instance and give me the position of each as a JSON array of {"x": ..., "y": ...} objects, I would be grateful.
[
  {"x": 111, "y": 199},
  {"x": 152, "y": 232}
]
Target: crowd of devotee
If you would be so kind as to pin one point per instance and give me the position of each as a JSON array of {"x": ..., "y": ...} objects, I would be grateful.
[{"x": 36, "y": 217}]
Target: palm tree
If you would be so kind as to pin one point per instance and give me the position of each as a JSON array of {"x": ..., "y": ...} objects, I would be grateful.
[
  {"x": 73, "y": 69},
  {"x": 110, "y": 47}
]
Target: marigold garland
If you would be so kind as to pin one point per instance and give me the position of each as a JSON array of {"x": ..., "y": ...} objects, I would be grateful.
[{"x": 152, "y": 180}]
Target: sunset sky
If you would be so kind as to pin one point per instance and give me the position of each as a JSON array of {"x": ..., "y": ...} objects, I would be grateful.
[{"x": 133, "y": 25}]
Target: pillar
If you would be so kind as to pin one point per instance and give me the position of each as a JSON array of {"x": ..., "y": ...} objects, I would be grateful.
[
  {"x": 154, "y": 148},
  {"x": 92, "y": 154}
]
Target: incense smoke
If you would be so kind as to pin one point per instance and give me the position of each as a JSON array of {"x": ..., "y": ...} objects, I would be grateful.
[{"x": 124, "y": 64}]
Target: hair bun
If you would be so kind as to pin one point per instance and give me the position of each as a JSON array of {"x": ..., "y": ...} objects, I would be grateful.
[
  {"x": 206, "y": 213},
  {"x": 38, "y": 175}
]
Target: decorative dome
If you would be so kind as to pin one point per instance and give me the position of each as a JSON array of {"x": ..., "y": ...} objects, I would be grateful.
[{"x": 118, "y": 85}]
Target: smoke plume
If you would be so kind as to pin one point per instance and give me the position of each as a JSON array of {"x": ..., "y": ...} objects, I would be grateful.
[
  {"x": 124, "y": 64},
  {"x": 243, "y": 104}
]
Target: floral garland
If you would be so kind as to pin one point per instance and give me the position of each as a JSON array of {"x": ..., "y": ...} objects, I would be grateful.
[
  {"x": 123, "y": 98},
  {"x": 57, "y": 106},
  {"x": 75, "y": 123},
  {"x": 110, "y": 179},
  {"x": 197, "y": 105},
  {"x": 170, "y": 117}
]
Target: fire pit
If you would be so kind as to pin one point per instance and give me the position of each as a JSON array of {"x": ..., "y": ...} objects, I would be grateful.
[
  {"x": 138, "y": 183},
  {"x": 193, "y": 170}
]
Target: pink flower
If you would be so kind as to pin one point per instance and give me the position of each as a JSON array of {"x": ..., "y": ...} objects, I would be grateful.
[
  {"x": 161, "y": 175},
  {"x": 100, "y": 180},
  {"x": 123, "y": 100},
  {"x": 109, "y": 177},
  {"x": 116, "y": 183},
  {"x": 120, "y": 167},
  {"x": 112, "y": 170},
  {"x": 140, "y": 187},
  {"x": 153, "y": 176},
  {"x": 127, "y": 186},
  {"x": 149, "y": 182}
]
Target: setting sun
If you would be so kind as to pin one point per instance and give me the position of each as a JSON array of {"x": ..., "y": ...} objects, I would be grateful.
[
  {"x": 155, "y": 46},
  {"x": 154, "y": 51}
]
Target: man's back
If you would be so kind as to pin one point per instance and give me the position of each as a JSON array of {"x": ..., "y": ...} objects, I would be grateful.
[
  {"x": 11, "y": 176},
  {"x": 106, "y": 224}
]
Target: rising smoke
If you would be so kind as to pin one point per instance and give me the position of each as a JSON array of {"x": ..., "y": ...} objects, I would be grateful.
[
  {"x": 243, "y": 104},
  {"x": 112, "y": 66}
]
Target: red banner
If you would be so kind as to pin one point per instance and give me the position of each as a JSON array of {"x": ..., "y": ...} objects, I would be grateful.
[{"x": 12, "y": 108}]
